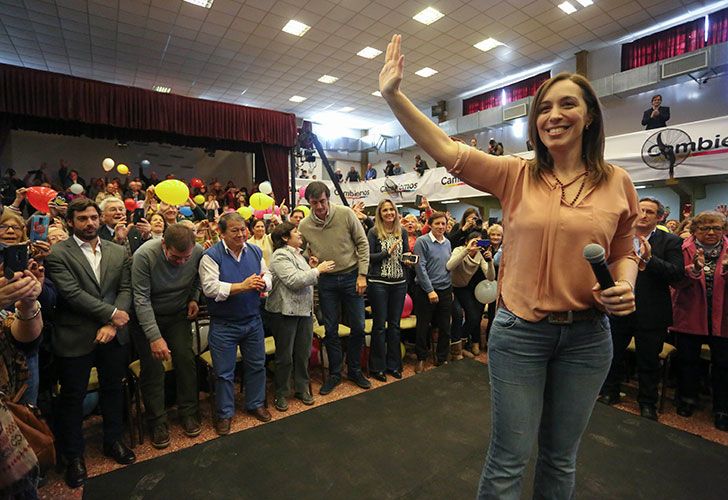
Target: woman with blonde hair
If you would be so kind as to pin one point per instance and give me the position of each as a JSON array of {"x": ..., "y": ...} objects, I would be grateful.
[
  {"x": 386, "y": 289},
  {"x": 550, "y": 346}
]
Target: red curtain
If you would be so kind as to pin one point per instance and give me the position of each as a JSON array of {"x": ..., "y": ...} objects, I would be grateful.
[
  {"x": 665, "y": 44},
  {"x": 60, "y": 103},
  {"x": 513, "y": 92},
  {"x": 718, "y": 27},
  {"x": 276, "y": 162}
]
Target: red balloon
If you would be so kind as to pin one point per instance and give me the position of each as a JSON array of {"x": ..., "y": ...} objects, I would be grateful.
[
  {"x": 130, "y": 204},
  {"x": 196, "y": 182},
  {"x": 407, "y": 309},
  {"x": 39, "y": 197}
]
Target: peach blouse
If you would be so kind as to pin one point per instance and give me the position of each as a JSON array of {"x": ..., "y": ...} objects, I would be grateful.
[{"x": 543, "y": 269}]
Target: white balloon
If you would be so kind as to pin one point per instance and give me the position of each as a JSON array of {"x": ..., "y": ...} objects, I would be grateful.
[
  {"x": 108, "y": 164},
  {"x": 76, "y": 188},
  {"x": 486, "y": 291},
  {"x": 265, "y": 187},
  {"x": 145, "y": 163}
]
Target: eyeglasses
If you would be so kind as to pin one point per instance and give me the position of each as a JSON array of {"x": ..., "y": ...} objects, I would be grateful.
[
  {"x": 705, "y": 229},
  {"x": 5, "y": 227}
]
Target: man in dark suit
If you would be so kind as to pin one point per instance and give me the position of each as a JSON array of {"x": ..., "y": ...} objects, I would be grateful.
[
  {"x": 94, "y": 296},
  {"x": 114, "y": 228},
  {"x": 656, "y": 116},
  {"x": 661, "y": 265}
]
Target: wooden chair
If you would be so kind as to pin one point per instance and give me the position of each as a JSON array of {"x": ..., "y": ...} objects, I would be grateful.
[{"x": 136, "y": 419}]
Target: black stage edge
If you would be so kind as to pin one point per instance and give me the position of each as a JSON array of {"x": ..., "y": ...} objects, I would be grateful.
[{"x": 423, "y": 437}]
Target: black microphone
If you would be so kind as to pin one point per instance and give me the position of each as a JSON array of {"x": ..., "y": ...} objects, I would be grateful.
[{"x": 594, "y": 253}]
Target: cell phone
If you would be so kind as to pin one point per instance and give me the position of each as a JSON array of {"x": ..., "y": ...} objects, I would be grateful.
[
  {"x": 483, "y": 243},
  {"x": 410, "y": 257},
  {"x": 418, "y": 200},
  {"x": 138, "y": 215},
  {"x": 39, "y": 227},
  {"x": 15, "y": 259},
  {"x": 211, "y": 214}
]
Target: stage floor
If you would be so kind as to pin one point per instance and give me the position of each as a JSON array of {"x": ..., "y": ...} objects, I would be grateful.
[{"x": 423, "y": 437}]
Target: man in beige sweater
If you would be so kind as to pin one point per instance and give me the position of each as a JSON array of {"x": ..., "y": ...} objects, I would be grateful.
[{"x": 335, "y": 233}]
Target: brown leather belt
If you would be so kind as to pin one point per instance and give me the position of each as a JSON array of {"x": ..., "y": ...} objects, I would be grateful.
[{"x": 569, "y": 317}]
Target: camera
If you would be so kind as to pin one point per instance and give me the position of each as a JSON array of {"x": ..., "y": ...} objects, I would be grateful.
[
  {"x": 478, "y": 222},
  {"x": 411, "y": 258},
  {"x": 483, "y": 244},
  {"x": 15, "y": 259}
]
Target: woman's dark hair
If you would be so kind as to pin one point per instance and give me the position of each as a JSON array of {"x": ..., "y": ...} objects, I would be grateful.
[
  {"x": 79, "y": 205},
  {"x": 282, "y": 230},
  {"x": 592, "y": 139},
  {"x": 254, "y": 222},
  {"x": 468, "y": 212},
  {"x": 473, "y": 235}
]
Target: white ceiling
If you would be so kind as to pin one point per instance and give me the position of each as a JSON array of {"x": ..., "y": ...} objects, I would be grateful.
[{"x": 238, "y": 46}]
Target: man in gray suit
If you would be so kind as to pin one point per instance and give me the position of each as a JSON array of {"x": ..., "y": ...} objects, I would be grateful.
[{"x": 94, "y": 296}]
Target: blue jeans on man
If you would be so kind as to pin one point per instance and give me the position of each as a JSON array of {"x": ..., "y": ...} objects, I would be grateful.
[
  {"x": 337, "y": 292},
  {"x": 545, "y": 379},
  {"x": 224, "y": 339}
]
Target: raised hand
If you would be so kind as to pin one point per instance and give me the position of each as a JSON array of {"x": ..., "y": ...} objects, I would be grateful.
[
  {"x": 390, "y": 77},
  {"x": 699, "y": 261}
]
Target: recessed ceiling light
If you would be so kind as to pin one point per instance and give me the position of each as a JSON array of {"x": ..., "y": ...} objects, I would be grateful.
[
  {"x": 585, "y": 3},
  {"x": 640, "y": 187},
  {"x": 369, "y": 52},
  {"x": 297, "y": 98},
  {"x": 376, "y": 93},
  {"x": 426, "y": 72},
  {"x": 567, "y": 7},
  {"x": 428, "y": 16},
  {"x": 445, "y": 202},
  {"x": 201, "y": 3},
  {"x": 347, "y": 109},
  {"x": 296, "y": 28},
  {"x": 162, "y": 89},
  {"x": 487, "y": 44},
  {"x": 327, "y": 79}
]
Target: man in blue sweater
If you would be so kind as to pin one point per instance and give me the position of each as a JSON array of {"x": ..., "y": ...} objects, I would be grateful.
[
  {"x": 233, "y": 274},
  {"x": 433, "y": 291}
]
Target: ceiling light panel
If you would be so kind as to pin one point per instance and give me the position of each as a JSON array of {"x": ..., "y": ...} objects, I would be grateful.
[
  {"x": 296, "y": 28},
  {"x": 369, "y": 52},
  {"x": 376, "y": 93},
  {"x": 487, "y": 44},
  {"x": 327, "y": 79},
  {"x": 428, "y": 16},
  {"x": 567, "y": 7},
  {"x": 347, "y": 109},
  {"x": 201, "y": 3},
  {"x": 585, "y": 3},
  {"x": 426, "y": 72},
  {"x": 162, "y": 89},
  {"x": 297, "y": 98}
]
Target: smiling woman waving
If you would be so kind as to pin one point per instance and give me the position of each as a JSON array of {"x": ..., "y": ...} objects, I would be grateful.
[{"x": 550, "y": 346}]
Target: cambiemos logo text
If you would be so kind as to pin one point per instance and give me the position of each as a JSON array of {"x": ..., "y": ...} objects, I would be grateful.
[
  {"x": 395, "y": 187},
  {"x": 353, "y": 194},
  {"x": 450, "y": 181}
]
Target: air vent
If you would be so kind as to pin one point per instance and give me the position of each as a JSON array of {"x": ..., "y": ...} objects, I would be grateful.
[
  {"x": 153, "y": 155},
  {"x": 166, "y": 165},
  {"x": 686, "y": 64},
  {"x": 179, "y": 157},
  {"x": 513, "y": 112},
  {"x": 186, "y": 166}
]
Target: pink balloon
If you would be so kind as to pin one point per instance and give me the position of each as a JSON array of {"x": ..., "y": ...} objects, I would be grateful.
[
  {"x": 259, "y": 214},
  {"x": 277, "y": 210},
  {"x": 301, "y": 192},
  {"x": 268, "y": 210},
  {"x": 407, "y": 309},
  {"x": 314, "y": 359}
]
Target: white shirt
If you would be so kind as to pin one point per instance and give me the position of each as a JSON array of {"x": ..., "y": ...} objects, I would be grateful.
[
  {"x": 93, "y": 257},
  {"x": 435, "y": 240},
  {"x": 212, "y": 287}
]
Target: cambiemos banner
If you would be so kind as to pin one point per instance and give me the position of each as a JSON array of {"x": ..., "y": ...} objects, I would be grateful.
[{"x": 687, "y": 150}]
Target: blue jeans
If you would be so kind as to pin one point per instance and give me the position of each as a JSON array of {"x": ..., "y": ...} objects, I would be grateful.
[
  {"x": 337, "y": 292},
  {"x": 544, "y": 381},
  {"x": 473, "y": 311},
  {"x": 30, "y": 396},
  {"x": 224, "y": 339},
  {"x": 387, "y": 301}
]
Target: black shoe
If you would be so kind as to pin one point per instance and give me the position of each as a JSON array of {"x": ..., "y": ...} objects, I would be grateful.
[
  {"x": 191, "y": 426},
  {"x": 120, "y": 453},
  {"x": 160, "y": 436},
  {"x": 685, "y": 409},
  {"x": 648, "y": 411},
  {"x": 329, "y": 385},
  {"x": 359, "y": 379},
  {"x": 304, "y": 397},
  {"x": 379, "y": 376},
  {"x": 721, "y": 421},
  {"x": 609, "y": 399},
  {"x": 395, "y": 373},
  {"x": 75, "y": 472},
  {"x": 280, "y": 403}
]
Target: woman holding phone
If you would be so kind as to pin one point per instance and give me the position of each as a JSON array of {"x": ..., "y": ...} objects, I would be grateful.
[{"x": 550, "y": 347}]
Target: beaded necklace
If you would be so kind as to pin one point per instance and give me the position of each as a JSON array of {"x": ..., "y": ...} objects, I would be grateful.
[{"x": 564, "y": 186}]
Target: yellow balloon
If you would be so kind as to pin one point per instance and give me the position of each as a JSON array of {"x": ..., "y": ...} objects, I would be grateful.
[
  {"x": 199, "y": 199},
  {"x": 173, "y": 192},
  {"x": 122, "y": 169},
  {"x": 258, "y": 201},
  {"x": 245, "y": 212},
  {"x": 304, "y": 209}
]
